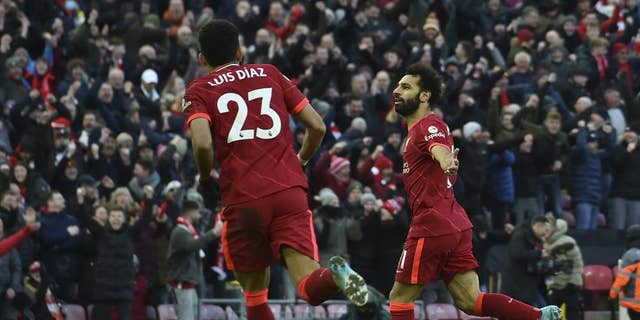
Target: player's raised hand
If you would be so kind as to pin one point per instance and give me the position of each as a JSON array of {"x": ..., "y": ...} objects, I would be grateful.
[{"x": 453, "y": 163}]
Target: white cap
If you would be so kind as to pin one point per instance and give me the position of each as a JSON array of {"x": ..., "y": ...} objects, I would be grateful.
[
  {"x": 175, "y": 184},
  {"x": 149, "y": 76},
  {"x": 469, "y": 128}
]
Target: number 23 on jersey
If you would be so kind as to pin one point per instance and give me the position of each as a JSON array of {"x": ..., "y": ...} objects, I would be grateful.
[{"x": 237, "y": 131}]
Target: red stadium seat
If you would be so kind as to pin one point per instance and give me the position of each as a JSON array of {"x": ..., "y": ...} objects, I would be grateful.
[
  {"x": 602, "y": 221},
  {"x": 441, "y": 311},
  {"x": 74, "y": 312},
  {"x": 570, "y": 218},
  {"x": 566, "y": 201},
  {"x": 166, "y": 312},
  {"x": 336, "y": 311},
  {"x": 597, "y": 279},
  {"x": 212, "y": 312}
]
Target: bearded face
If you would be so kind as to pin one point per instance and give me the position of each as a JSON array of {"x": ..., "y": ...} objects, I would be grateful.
[{"x": 406, "y": 106}]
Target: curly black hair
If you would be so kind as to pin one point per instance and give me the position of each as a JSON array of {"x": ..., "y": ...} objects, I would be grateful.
[{"x": 430, "y": 80}]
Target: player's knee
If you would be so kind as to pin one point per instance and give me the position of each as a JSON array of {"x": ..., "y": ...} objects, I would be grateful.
[
  {"x": 402, "y": 294},
  {"x": 466, "y": 304},
  {"x": 465, "y": 300}
]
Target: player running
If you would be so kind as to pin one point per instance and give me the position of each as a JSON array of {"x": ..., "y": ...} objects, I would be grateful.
[
  {"x": 243, "y": 110},
  {"x": 438, "y": 245}
]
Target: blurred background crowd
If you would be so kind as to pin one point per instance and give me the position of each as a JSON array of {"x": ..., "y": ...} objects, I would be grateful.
[{"x": 542, "y": 98}]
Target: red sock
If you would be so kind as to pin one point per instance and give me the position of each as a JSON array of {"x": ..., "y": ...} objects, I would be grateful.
[
  {"x": 401, "y": 311},
  {"x": 257, "y": 306},
  {"x": 317, "y": 287},
  {"x": 503, "y": 307}
]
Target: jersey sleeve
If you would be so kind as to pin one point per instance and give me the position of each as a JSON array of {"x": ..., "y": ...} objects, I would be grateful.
[
  {"x": 293, "y": 98},
  {"x": 435, "y": 134},
  {"x": 194, "y": 105}
]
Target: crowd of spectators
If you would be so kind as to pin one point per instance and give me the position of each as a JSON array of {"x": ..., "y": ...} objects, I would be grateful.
[{"x": 542, "y": 98}]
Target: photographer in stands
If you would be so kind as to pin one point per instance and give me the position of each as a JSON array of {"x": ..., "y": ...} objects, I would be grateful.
[
  {"x": 521, "y": 278},
  {"x": 563, "y": 267}
]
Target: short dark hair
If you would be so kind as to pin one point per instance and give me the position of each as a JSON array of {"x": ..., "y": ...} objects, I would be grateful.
[
  {"x": 189, "y": 205},
  {"x": 539, "y": 219},
  {"x": 467, "y": 47},
  {"x": 146, "y": 164},
  {"x": 219, "y": 41},
  {"x": 430, "y": 80}
]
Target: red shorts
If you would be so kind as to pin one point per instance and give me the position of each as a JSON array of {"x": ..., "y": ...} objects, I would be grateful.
[
  {"x": 424, "y": 260},
  {"x": 255, "y": 231}
]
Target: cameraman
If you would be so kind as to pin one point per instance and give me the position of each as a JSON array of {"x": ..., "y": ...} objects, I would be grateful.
[
  {"x": 565, "y": 263},
  {"x": 521, "y": 278}
]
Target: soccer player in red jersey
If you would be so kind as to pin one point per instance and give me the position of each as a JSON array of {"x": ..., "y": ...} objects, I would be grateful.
[
  {"x": 438, "y": 245},
  {"x": 243, "y": 110}
]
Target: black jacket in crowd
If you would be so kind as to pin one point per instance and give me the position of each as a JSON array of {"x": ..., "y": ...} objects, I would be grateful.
[
  {"x": 524, "y": 250},
  {"x": 626, "y": 176},
  {"x": 114, "y": 270}
]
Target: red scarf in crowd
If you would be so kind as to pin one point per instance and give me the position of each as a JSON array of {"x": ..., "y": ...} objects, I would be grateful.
[
  {"x": 189, "y": 226},
  {"x": 602, "y": 63}
]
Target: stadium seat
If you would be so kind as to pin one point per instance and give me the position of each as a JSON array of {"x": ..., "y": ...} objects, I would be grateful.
[
  {"x": 231, "y": 315},
  {"x": 464, "y": 316},
  {"x": 151, "y": 313},
  {"x": 441, "y": 311},
  {"x": 602, "y": 221},
  {"x": 570, "y": 218},
  {"x": 335, "y": 311},
  {"x": 597, "y": 278},
  {"x": 74, "y": 312},
  {"x": 566, "y": 201},
  {"x": 212, "y": 312},
  {"x": 166, "y": 312},
  {"x": 320, "y": 312},
  {"x": 614, "y": 271},
  {"x": 277, "y": 311},
  {"x": 304, "y": 311}
]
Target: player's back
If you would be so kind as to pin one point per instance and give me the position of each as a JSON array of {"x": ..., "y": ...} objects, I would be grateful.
[
  {"x": 430, "y": 191},
  {"x": 248, "y": 107}
]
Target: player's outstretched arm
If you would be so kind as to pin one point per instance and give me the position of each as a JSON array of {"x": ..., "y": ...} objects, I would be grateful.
[
  {"x": 313, "y": 135},
  {"x": 202, "y": 143},
  {"x": 447, "y": 159}
]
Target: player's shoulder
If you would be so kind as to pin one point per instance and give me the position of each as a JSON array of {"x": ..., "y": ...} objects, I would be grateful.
[
  {"x": 199, "y": 83},
  {"x": 430, "y": 122},
  {"x": 433, "y": 118}
]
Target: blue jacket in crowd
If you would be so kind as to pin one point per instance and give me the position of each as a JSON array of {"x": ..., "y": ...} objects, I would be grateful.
[
  {"x": 499, "y": 184},
  {"x": 587, "y": 170}
]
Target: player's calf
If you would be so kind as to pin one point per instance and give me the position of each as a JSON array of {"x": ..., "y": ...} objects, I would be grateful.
[{"x": 257, "y": 305}]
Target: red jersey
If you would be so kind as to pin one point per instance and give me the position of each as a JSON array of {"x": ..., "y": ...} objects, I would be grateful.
[
  {"x": 435, "y": 210},
  {"x": 248, "y": 108}
]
